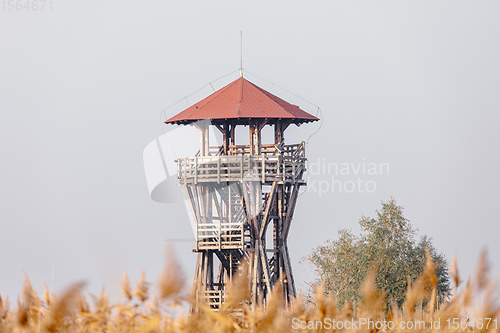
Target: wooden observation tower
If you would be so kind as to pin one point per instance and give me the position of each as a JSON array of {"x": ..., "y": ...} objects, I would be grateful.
[{"x": 238, "y": 192}]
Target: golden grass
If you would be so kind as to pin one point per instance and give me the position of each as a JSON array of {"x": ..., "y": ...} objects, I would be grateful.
[{"x": 147, "y": 310}]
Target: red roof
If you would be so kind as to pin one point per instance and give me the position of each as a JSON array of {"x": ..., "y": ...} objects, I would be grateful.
[{"x": 241, "y": 100}]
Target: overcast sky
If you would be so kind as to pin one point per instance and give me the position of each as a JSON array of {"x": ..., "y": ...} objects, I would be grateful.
[{"x": 412, "y": 87}]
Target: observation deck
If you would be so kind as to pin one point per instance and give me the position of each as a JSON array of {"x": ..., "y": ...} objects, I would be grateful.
[{"x": 284, "y": 164}]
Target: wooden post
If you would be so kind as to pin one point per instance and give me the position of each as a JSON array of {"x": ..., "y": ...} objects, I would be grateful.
[
  {"x": 218, "y": 169},
  {"x": 225, "y": 137},
  {"x": 263, "y": 169},
  {"x": 251, "y": 131},
  {"x": 203, "y": 127},
  {"x": 231, "y": 133},
  {"x": 278, "y": 135}
]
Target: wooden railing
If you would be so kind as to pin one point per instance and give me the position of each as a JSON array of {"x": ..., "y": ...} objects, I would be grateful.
[
  {"x": 214, "y": 298},
  {"x": 220, "y": 236},
  {"x": 268, "y": 149},
  {"x": 285, "y": 163}
]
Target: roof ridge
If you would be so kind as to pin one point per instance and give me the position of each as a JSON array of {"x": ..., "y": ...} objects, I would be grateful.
[{"x": 240, "y": 100}]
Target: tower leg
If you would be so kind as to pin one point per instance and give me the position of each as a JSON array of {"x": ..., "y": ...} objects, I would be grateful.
[{"x": 217, "y": 210}]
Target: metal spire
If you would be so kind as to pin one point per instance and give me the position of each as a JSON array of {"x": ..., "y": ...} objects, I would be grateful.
[{"x": 241, "y": 53}]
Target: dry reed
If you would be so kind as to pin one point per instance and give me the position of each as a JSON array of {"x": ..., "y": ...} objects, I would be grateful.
[{"x": 144, "y": 311}]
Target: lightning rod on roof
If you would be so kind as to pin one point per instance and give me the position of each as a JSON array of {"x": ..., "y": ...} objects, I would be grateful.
[{"x": 241, "y": 53}]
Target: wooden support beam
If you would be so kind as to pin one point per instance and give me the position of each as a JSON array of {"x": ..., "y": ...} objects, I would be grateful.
[
  {"x": 218, "y": 211},
  {"x": 219, "y": 127},
  {"x": 203, "y": 127},
  {"x": 251, "y": 131},
  {"x": 220, "y": 276},
  {"x": 277, "y": 132},
  {"x": 255, "y": 279},
  {"x": 262, "y": 124},
  {"x": 232, "y": 133},
  {"x": 288, "y": 271},
  {"x": 231, "y": 266},
  {"x": 266, "y": 214},
  {"x": 284, "y": 125},
  {"x": 265, "y": 265},
  {"x": 290, "y": 211},
  {"x": 277, "y": 232},
  {"x": 225, "y": 137},
  {"x": 204, "y": 271},
  {"x": 193, "y": 204},
  {"x": 210, "y": 269}
]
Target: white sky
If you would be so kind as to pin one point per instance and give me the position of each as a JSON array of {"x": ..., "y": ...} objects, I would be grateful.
[{"x": 412, "y": 84}]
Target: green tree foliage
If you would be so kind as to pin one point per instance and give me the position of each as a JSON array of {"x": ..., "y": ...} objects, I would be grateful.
[{"x": 388, "y": 244}]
